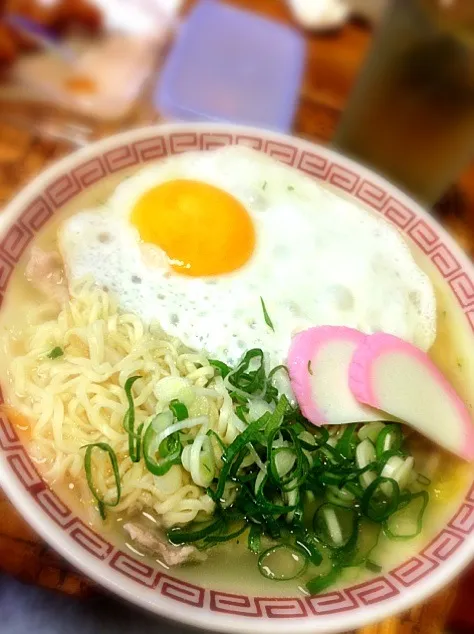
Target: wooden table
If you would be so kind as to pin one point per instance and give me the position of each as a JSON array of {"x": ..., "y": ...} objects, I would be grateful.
[{"x": 332, "y": 66}]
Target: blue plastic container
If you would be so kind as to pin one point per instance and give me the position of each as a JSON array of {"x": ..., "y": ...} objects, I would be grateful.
[{"x": 231, "y": 65}]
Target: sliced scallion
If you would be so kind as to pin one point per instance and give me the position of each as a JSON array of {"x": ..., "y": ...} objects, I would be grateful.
[
  {"x": 310, "y": 550},
  {"x": 179, "y": 410},
  {"x": 222, "y": 368},
  {"x": 389, "y": 439},
  {"x": 101, "y": 502},
  {"x": 334, "y": 525},
  {"x": 423, "y": 480},
  {"x": 377, "y": 504},
  {"x": 134, "y": 437},
  {"x": 55, "y": 353},
  {"x": 372, "y": 566},
  {"x": 195, "y": 532},
  {"x": 255, "y": 538},
  {"x": 321, "y": 582},
  {"x": 282, "y": 563},
  {"x": 159, "y": 458},
  {"x": 266, "y": 316},
  {"x": 407, "y": 521}
]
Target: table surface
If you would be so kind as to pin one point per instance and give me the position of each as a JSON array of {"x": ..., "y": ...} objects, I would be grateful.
[{"x": 333, "y": 62}]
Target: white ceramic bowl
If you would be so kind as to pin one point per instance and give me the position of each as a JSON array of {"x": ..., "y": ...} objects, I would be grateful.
[{"x": 149, "y": 586}]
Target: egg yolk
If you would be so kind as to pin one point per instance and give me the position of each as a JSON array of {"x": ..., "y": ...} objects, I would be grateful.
[{"x": 202, "y": 229}]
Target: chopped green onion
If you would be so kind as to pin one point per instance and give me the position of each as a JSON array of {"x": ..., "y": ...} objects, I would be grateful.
[
  {"x": 376, "y": 504},
  {"x": 321, "y": 582},
  {"x": 407, "y": 521},
  {"x": 389, "y": 439},
  {"x": 219, "y": 539},
  {"x": 272, "y": 476},
  {"x": 245, "y": 381},
  {"x": 423, "y": 480},
  {"x": 255, "y": 538},
  {"x": 170, "y": 450},
  {"x": 179, "y": 410},
  {"x": 347, "y": 443},
  {"x": 372, "y": 566},
  {"x": 260, "y": 481},
  {"x": 334, "y": 525},
  {"x": 268, "y": 505},
  {"x": 187, "y": 535},
  {"x": 55, "y": 353},
  {"x": 370, "y": 431},
  {"x": 242, "y": 411},
  {"x": 386, "y": 455},
  {"x": 282, "y": 563},
  {"x": 101, "y": 503},
  {"x": 277, "y": 368},
  {"x": 367, "y": 540},
  {"x": 134, "y": 437},
  {"x": 310, "y": 550},
  {"x": 234, "y": 449},
  {"x": 320, "y": 437},
  {"x": 276, "y": 419},
  {"x": 266, "y": 316},
  {"x": 295, "y": 460},
  {"x": 222, "y": 368},
  {"x": 212, "y": 434}
]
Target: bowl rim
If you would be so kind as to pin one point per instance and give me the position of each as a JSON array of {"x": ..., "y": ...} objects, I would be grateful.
[{"x": 106, "y": 576}]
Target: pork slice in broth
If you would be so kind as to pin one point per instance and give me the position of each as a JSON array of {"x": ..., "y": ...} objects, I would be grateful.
[{"x": 156, "y": 543}]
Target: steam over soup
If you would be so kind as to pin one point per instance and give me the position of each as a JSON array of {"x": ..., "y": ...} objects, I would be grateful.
[{"x": 147, "y": 334}]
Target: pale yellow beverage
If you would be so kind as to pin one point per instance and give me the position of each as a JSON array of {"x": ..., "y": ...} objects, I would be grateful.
[{"x": 411, "y": 114}]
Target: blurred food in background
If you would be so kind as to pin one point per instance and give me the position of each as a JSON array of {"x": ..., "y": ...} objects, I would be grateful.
[
  {"x": 323, "y": 15},
  {"x": 60, "y": 17},
  {"x": 90, "y": 57},
  {"x": 72, "y": 71}
]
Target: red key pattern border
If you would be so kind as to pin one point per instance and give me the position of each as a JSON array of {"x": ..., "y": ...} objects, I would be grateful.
[{"x": 319, "y": 167}]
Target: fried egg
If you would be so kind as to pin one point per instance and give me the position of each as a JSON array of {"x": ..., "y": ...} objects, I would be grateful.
[{"x": 230, "y": 250}]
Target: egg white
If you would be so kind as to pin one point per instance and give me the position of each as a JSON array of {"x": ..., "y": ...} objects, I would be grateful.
[{"x": 319, "y": 259}]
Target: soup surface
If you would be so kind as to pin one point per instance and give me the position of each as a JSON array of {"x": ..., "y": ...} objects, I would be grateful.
[{"x": 68, "y": 360}]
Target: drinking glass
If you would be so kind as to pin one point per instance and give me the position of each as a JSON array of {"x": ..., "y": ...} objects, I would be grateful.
[{"x": 411, "y": 114}]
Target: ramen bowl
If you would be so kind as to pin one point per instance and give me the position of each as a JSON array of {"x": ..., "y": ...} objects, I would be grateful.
[{"x": 208, "y": 603}]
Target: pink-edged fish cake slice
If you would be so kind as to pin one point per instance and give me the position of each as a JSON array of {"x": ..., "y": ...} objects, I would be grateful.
[
  {"x": 318, "y": 364},
  {"x": 391, "y": 374}
]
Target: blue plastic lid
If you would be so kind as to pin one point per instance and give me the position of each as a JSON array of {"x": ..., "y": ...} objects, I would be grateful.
[{"x": 232, "y": 65}]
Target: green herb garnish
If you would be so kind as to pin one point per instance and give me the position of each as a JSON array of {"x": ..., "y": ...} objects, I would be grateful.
[
  {"x": 266, "y": 316},
  {"x": 321, "y": 582},
  {"x": 372, "y": 566},
  {"x": 134, "y": 437},
  {"x": 422, "y": 479},
  {"x": 296, "y": 563},
  {"x": 55, "y": 353},
  {"x": 101, "y": 502},
  {"x": 222, "y": 368},
  {"x": 179, "y": 410},
  {"x": 160, "y": 460}
]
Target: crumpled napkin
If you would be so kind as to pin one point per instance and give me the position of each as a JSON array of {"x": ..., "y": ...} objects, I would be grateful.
[{"x": 324, "y": 15}]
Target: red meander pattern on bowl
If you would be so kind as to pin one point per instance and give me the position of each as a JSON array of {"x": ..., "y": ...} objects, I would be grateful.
[{"x": 135, "y": 579}]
